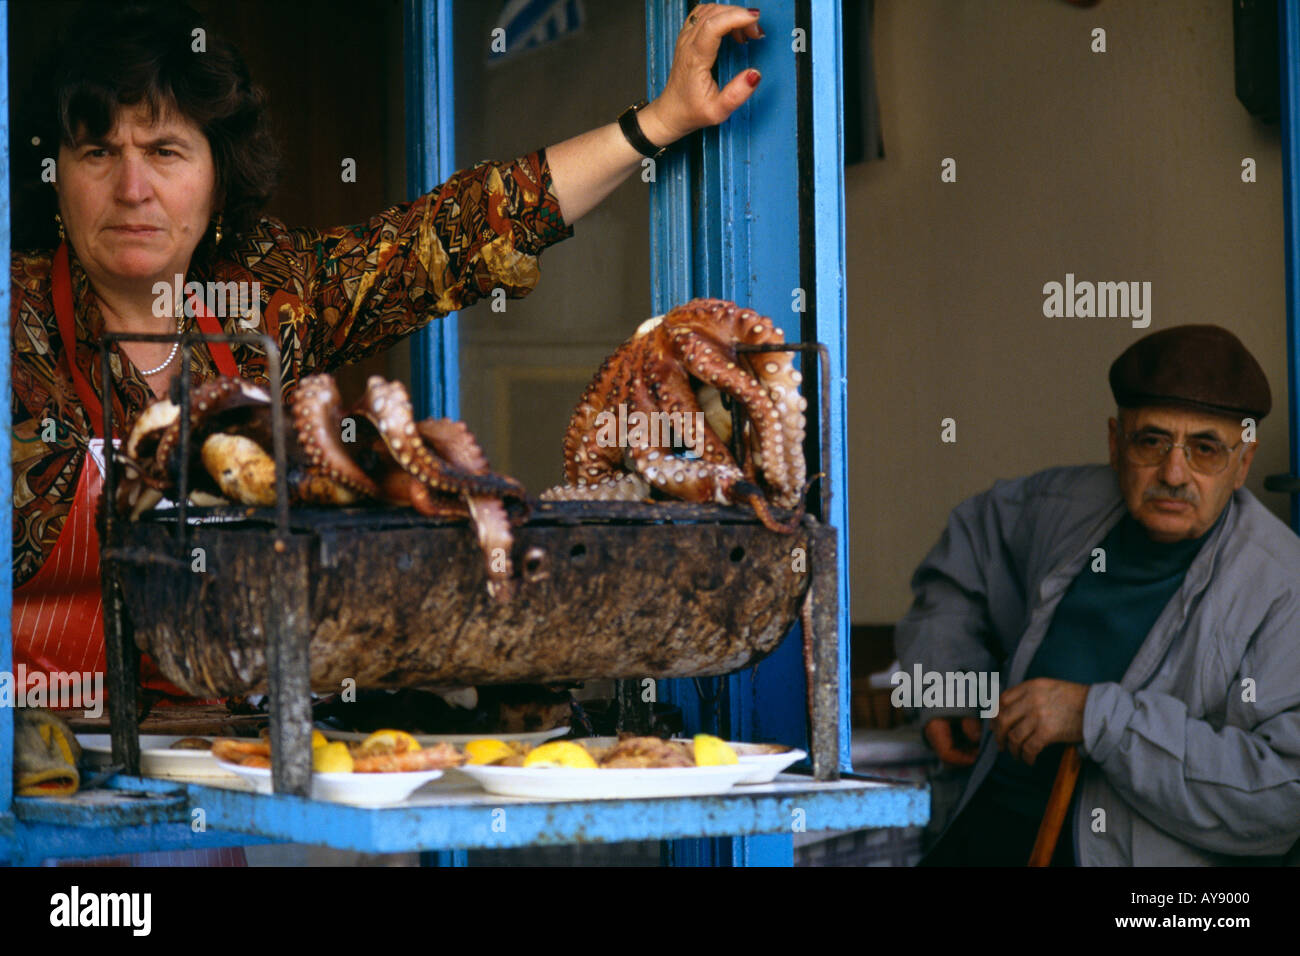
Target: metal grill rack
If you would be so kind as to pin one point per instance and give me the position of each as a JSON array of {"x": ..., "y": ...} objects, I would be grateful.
[{"x": 592, "y": 601}]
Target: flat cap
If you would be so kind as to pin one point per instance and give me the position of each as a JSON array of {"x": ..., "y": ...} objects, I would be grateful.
[{"x": 1197, "y": 366}]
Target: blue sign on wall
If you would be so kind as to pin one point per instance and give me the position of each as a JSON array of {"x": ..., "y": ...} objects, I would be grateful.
[{"x": 529, "y": 24}]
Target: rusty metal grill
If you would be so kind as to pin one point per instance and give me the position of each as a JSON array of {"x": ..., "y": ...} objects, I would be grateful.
[{"x": 295, "y": 600}]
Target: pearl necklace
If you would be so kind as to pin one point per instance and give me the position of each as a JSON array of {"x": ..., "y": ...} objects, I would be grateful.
[{"x": 180, "y": 319}]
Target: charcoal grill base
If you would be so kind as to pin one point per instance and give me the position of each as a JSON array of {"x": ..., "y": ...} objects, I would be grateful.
[
  {"x": 390, "y": 599},
  {"x": 391, "y": 602}
]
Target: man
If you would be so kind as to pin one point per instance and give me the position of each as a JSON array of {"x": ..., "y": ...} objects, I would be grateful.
[{"x": 1148, "y": 613}]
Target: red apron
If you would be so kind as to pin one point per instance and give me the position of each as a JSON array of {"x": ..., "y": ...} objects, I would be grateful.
[{"x": 58, "y": 621}]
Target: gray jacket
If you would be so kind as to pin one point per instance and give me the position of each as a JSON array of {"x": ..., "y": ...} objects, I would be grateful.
[{"x": 1186, "y": 771}]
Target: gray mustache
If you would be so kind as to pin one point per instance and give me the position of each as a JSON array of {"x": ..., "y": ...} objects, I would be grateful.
[{"x": 1184, "y": 493}]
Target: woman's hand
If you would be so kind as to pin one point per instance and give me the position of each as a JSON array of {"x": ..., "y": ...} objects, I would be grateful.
[
  {"x": 586, "y": 168},
  {"x": 691, "y": 99}
]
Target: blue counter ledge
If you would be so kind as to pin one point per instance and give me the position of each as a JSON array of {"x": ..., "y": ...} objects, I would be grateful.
[{"x": 445, "y": 816}]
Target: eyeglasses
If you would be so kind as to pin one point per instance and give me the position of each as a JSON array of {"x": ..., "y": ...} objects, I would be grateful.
[{"x": 1208, "y": 456}]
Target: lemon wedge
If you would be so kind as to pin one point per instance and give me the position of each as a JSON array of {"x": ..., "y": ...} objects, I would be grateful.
[
  {"x": 560, "y": 753},
  {"x": 713, "y": 751},
  {"x": 487, "y": 751},
  {"x": 332, "y": 758},
  {"x": 388, "y": 742}
]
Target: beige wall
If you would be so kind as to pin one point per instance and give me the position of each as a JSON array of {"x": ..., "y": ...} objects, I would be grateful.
[{"x": 1117, "y": 166}]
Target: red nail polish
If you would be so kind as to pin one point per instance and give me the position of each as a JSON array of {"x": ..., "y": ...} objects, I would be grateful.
[
  {"x": 753, "y": 10},
  {"x": 753, "y": 77}
]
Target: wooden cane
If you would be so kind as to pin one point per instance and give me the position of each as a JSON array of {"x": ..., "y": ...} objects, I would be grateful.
[{"x": 1049, "y": 831}]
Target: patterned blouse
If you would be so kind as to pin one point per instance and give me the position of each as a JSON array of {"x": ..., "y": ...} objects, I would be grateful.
[{"x": 329, "y": 298}]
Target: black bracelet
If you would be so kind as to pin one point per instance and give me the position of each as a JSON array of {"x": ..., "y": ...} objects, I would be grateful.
[{"x": 627, "y": 122}]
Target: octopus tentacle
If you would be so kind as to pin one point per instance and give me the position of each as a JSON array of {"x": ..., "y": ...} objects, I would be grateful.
[
  {"x": 670, "y": 391},
  {"x": 625, "y": 486},
  {"x": 404, "y": 487},
  {"x": 753, "y": 496},
  {"x": 586, "y": 460},
  {"x": 681, "y": 365},
  {"x": 318, "y": 425},
  {"x": 207, "y": 402},
  {"x": 454, "y": 442},
  {"x": 775, "y": 371},
  {"x": 688, "y": 479},
  {"x": 727, "y": 324},
  {"x": 711, "y": 364},
  {"x": 388, "y": 407}
]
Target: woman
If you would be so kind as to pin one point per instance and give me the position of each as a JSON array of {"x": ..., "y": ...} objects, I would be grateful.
[{"x": 164, "y": 162}]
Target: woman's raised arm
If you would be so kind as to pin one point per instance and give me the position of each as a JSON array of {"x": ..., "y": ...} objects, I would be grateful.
[{"x": 587, "y": 168}]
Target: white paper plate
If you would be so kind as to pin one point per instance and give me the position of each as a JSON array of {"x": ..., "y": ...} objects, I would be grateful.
[
  {"x": 156, "y": 759},
  {"x": 357, "y": 789},
  {"x": 765, "y": 766},
  {"x": 460, "y": 740},
  {"x": 613, "y": 784}
]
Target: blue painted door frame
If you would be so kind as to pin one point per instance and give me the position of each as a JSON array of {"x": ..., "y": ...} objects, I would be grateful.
[
  {"x": 429, "y": 68},
  {"x": 431, "y": 160},
  {"x": 6, "y": 462},
  {"x": 1289, "y": 71},
  {"x": 731, "y": 225}
]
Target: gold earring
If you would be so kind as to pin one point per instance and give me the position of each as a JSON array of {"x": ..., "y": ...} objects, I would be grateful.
[
  {"x": 218, "y": 231},
  {"x": 58, "y": 221}
]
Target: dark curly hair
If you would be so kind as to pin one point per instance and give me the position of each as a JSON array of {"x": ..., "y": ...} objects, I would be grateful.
[{"x": 114, "y": 56}]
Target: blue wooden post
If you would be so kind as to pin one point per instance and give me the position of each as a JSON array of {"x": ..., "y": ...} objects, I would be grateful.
[
  {"x": 745, "y": 243},
  {"x": 830, "y": 303},
  {"x": 1289, "y": 68},
  {"x": 6, "y": 471},
  {"x": 430, "y": 160}
]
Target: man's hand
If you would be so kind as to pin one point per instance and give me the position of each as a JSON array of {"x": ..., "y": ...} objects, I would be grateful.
[
  {"x": 1039, "y": 712},
  {"x": 956, "y": 741}
]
